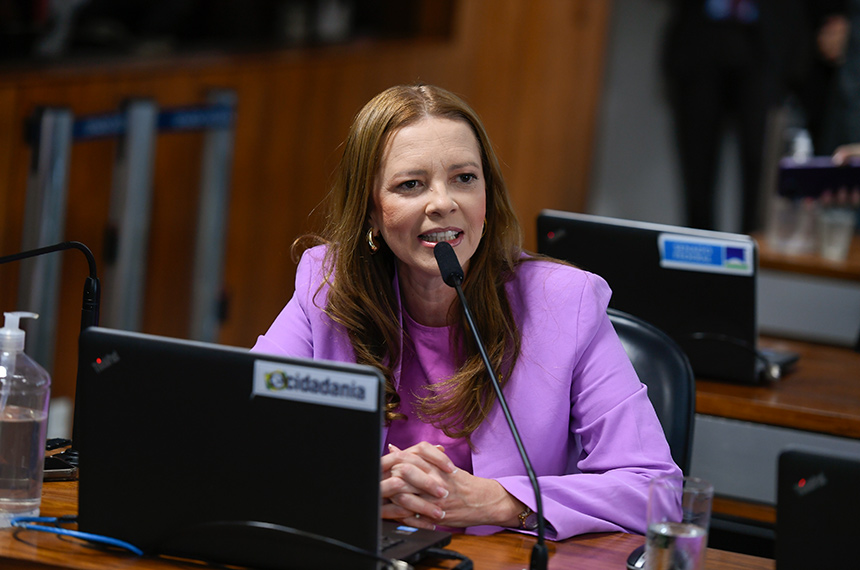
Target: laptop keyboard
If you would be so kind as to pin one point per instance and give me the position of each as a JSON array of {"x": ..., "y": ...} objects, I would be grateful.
[{"x": 387, "y": 542}]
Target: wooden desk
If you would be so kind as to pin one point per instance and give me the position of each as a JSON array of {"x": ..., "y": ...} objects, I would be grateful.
[
  {"x": 504, "y": 551},
  {"x": 511, "y": 551},
  {"x": 821, "y": 394},
  {"x": 811, "y": 264}
]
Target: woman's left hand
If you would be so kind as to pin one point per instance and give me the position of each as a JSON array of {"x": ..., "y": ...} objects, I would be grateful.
[{"x": 422, "y": 481}]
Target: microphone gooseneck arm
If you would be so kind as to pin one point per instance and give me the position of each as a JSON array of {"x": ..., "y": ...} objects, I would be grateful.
[
  {"x": 92, "y": 289},
  {"x": 453, "y": 276},
  {"x": 89, "y": 313},
  {"x": 91, "y": 260}
]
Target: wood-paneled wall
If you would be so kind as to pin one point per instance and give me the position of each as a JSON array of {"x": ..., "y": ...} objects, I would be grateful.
[{"x": 532, "y": 70}]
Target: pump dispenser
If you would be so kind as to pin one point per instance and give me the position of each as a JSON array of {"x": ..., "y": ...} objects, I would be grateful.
[{"x": 24, "y": 396}]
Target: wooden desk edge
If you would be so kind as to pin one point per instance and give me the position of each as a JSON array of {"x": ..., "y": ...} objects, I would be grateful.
[
  {"x": 828, "y": 369},
  {"x": 741, "y": 409},
  {"x": 745, "y": 510},
  {"x": 503, "y": 551},
  {"x": 810, "y": 264}
]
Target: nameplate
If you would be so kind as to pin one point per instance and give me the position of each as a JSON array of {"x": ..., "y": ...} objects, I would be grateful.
[
  {"x": 706, "y": 254},
  {"x": 315, "y": 385}
]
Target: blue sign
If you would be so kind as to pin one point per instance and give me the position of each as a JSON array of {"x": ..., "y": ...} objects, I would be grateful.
[
  {"x": 216, "y": 116},
  {"x": 706, "y": 254}
]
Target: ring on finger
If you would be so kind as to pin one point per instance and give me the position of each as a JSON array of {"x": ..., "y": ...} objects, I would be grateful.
[{"x": 417, "y": 515}]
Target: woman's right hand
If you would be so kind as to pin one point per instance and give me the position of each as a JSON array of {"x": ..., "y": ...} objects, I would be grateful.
[
  {"x": 422, "y": 487},
  {"x": 411, "y": 481}
]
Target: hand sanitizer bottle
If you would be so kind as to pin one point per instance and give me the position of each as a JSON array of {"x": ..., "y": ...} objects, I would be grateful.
[{"x": 24, "y": 395}]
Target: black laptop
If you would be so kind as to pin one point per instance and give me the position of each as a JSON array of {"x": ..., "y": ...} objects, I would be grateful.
[
  {"x": 697, "y": 286},
  {"x": 218, "y": 454},
  {"x": 818, "y": 498}
]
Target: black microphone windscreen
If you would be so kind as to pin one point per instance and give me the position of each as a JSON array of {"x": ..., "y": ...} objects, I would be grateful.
[{"x": 449, "y": 266}]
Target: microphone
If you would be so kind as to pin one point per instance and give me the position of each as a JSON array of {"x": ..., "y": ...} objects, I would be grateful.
[
  {"x": 92, "y": 289},
  {"x": 453, "y": 276},
  {"x": 89, "y": 316}
]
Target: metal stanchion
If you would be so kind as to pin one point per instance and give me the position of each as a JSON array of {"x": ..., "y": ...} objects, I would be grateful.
[
  {"x": 135, "y": 126},
  {"x": 217, "y": 120},
  {"x": 44, "y": 224},
  {"x": 129, "y": 217}
]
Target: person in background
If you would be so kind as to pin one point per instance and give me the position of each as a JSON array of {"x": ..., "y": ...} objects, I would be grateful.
[
  {"x": 728, "y": 60},
  {"x": 417, "y": 169},
  {"x": 825, "y": 39},
  {"x": 841, "y": 44}
]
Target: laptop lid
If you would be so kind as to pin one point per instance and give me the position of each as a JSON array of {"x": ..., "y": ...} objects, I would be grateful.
[
  {"x": 816, "y": 512},
  {"x": 217, "y": 453},
  {"x": 697, "y": 286}
]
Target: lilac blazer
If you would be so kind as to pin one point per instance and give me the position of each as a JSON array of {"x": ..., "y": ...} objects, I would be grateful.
[{"x": 584, "y": 417}]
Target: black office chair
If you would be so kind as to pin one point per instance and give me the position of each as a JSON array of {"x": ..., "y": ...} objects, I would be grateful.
[{"x": 662, "y": 366}]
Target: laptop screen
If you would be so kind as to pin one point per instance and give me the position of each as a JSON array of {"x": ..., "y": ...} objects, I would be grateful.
[
  {"x": 697, "y": 286},
  {"x": 816, "y": 518},
  {"x": 216, "y": 453}
]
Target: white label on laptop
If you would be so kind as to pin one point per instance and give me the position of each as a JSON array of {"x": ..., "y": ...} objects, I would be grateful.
[
  {"x": 315, "y": 385},
  {"x": 705, "y": 254}
]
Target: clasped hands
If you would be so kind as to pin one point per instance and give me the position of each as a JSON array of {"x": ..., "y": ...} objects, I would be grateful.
[{"x": 423, "y": 488}]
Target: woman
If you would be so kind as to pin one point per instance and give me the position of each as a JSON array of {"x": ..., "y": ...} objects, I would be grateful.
[{"x": 417, "y": 169}]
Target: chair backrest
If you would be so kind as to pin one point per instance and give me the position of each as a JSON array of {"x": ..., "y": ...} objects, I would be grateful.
[{"x": 664, "y": 368}]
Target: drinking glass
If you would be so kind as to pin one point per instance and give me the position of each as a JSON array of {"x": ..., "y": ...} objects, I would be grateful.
[{"x": 679, "y": 514}]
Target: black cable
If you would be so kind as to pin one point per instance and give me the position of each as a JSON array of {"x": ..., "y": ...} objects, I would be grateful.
[
  {"x": 772, "y": 371},
  {"x": 465, "y": 564},
  {"x": 282, "y": 529},
  {"x": 40, "y": 524}
]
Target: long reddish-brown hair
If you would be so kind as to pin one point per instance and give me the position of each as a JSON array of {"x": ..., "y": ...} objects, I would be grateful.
[{"x": 361, "y": 295}]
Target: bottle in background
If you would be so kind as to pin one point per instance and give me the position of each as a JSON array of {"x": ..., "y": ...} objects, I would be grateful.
[
  {"x": 791, "y": 221},
  {"x": 24, "y": 396}
]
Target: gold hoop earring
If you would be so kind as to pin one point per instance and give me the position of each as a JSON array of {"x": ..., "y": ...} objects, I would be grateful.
[{"x": 373, "y": 247}]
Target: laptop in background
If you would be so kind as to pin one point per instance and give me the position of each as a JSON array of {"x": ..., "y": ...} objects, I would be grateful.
[
  {"x": 215, "y": 453},
  {"x": 697, "y": 286},
  {"x": 817, "y": 522}
]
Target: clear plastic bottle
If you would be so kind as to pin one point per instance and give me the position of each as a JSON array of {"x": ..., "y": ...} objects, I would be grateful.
[
  {"x": 791, "y": 222},
  {"x": 24, "y": 395}
]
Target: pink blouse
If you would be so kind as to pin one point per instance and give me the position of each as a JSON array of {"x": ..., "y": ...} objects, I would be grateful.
[{"x": 423, "y": 364}]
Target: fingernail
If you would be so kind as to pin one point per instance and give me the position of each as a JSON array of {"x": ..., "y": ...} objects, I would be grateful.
[
  {"x": 442, "y": 492},
  {"x": 440, "y": 516},
  {"x": 392, "y": 447}
]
